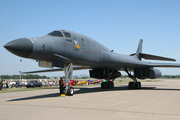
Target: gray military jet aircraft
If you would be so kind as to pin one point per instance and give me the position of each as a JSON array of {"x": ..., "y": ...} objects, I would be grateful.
[{"x": 63, "y": 49}]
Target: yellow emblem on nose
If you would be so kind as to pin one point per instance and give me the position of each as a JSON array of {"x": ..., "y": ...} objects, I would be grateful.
[{"x": 77, "y": 46}]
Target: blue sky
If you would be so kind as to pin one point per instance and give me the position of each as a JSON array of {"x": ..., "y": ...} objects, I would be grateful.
[{"x": 117, "y": 24}]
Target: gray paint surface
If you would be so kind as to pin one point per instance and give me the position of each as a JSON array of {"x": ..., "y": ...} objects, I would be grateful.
[{"x": 86, "y": 52}]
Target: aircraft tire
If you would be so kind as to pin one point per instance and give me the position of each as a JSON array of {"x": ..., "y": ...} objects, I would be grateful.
[
  {"x": 139, "y": 85},
  {"x": 64, "y": 90},
  {"x": 70, "y": 91},
  {"x": 102, "y": 85},
  {"x": 109, "y": 85},
  {"x": 136, "y": 85},
  {"x": 112, "y": 84},
  {"x": 130, "y": 86}
]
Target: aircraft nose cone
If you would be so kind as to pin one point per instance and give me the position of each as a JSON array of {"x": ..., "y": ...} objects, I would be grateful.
[{"x": 21, "y": 47}]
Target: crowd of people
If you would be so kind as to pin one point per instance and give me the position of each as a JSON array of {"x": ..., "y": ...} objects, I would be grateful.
[
  {"x": 50, "y": 83},
  {"x": 11, "y": 84},
  {"x": 4, "y": 84},
  {"x": 16, "y": 84}
]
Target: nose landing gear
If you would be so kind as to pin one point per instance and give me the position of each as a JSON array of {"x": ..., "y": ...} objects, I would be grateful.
[{"x": 68, "y": 70}]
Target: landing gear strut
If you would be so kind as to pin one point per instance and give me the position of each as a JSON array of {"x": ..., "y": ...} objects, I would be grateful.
[
  {"x": 135, "y": 84},
  {"x": 68, "y": 70}
]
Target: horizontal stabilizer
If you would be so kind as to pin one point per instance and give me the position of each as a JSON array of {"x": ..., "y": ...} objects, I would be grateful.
[
  {"x": 174, "y": 65},
  {"x": 154, "y": 57}
]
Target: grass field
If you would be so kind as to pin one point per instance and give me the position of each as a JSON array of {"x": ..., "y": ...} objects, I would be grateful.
[{"x": 117, "y": 81}]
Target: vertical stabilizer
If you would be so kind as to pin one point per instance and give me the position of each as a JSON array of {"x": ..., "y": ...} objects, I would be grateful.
[{"x": 139, "y": 49}]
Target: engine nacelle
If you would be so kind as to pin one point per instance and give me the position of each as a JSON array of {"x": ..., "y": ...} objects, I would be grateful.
[
  {"x": 104, "y": 73},
  {"x": 147, "y": 73}
]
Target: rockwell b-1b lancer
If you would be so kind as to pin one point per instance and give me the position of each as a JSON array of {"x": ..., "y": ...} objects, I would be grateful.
[{"x": 70, "y": 51}]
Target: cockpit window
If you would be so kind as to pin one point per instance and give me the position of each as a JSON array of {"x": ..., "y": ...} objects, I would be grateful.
[
  {"x": 56, "y": 33},
  {"x": 66, "y": 34}
]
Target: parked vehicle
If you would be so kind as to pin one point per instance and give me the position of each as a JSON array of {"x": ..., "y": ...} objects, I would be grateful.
[{"x": 34, "y": 83}]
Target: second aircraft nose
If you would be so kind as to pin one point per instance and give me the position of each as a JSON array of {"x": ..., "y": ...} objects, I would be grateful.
[{"x": 21, "y": 47}]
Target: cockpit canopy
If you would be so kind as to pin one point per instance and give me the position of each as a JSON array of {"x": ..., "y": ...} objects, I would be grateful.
[{"x": 58, "y": 33}]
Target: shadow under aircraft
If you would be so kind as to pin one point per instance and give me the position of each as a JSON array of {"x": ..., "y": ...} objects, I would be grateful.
[{"x": 86, "y": 90}]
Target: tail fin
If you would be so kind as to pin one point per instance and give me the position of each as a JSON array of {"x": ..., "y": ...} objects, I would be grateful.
[
  {"x": 139, "y": 49},
  {"x": 140, "y": 55}
]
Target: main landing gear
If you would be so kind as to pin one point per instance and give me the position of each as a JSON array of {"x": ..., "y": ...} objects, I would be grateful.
[
  {"x": 68, "y": 70},
  {"x": 108, "y": 84},
  {"x": 135, "y": 84}
]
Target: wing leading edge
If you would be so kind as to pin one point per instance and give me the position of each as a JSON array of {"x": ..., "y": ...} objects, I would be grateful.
[{"x": 54, "y": 70}]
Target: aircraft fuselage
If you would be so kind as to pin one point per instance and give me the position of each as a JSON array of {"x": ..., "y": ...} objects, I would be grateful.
[{"x": 80, "y": 50}]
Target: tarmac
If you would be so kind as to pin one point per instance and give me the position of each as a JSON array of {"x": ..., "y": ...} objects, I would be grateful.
[{"x": 155, "y": 101}]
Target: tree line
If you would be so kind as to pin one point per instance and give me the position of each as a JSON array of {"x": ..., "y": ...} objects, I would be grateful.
[
  {"x": 28, "y": 76},
  {"x": 35, "y": 76},
  {"x": 170, "y": 76},
  {"x": 162, "y": 76}
]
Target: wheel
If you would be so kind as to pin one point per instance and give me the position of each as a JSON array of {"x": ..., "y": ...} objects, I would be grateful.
[
  {"x": 112, "y": 84},
  {"x": 102, "y": 85},
  {"x": 109, "y": 85},
  {"x": 27, "y": 86},
  {"x": 64, "y": 90},
  {"x": 130, "y": 86},
  {"x": 139, "y": 85},
  {"x": 70, "y": 91}
]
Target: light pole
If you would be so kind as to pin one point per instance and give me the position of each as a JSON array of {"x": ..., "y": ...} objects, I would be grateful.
[{"x": 20, "y": 69}]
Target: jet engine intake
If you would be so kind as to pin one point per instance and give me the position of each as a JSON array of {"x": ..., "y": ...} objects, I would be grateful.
[
  {"x": 104, "y": 73},
  {"x": 147, "y": 73}
]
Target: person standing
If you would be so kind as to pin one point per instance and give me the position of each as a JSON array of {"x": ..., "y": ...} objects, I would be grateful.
[
  {"x": 61, "y": 84},
  {"x": 1, "y": 84},
  {"x": 4, "y": 84},
  {"x": 7, "y": 85}
]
